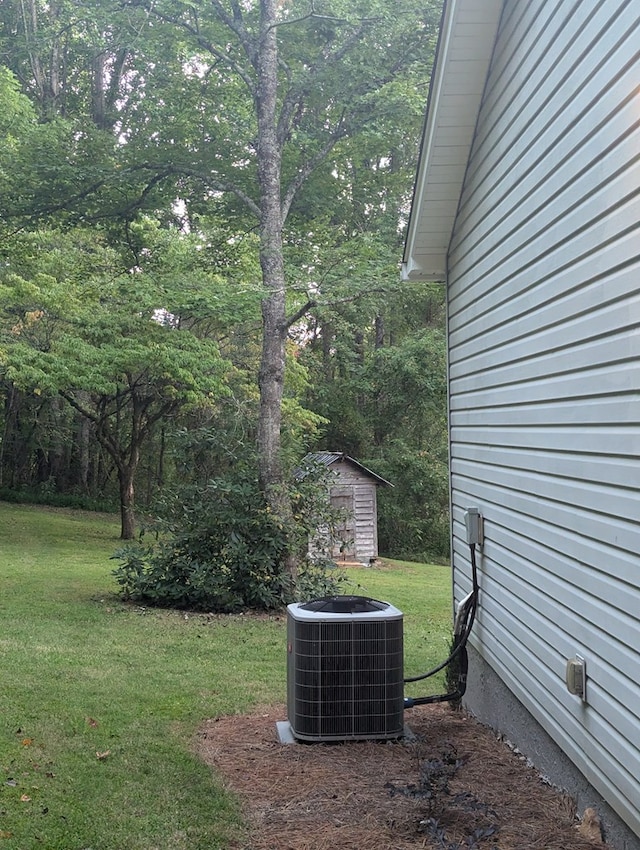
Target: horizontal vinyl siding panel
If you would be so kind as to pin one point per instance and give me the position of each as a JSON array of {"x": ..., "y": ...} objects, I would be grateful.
[
  {"x": 544, "y": 376},
  {"x": 620, "y": 535},
  {"x": 591, "y": 505},
  {"x": 552, "y": 136},
  {"x": 564, "y": 410},
  {"x": 519, "y": 308},
  {"x": 552, "y": 255},
  {"x": 620, "y": 441},
  {"x": 618, "y": 784},
  {"x": 552, "y": 676},
  {"x": 568, "y": 605},
  {"x": 588, "y": 569},
  {"x": 597, "y": 470},
  {"x": 562, "y": 103},
  {"x": 510, "y": 329}
]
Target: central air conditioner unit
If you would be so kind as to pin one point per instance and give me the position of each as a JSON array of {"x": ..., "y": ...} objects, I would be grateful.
[{"x": 345, "y": 669}]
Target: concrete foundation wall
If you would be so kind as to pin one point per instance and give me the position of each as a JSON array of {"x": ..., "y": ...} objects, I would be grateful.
[{"x": 493, "y": 704}]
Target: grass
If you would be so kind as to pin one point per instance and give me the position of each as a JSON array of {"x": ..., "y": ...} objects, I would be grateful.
[{"x": 100, "y": 702}]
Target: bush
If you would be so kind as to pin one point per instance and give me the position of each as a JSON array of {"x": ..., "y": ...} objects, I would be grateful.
[
  {"x": 220, "y": 549},
  {"x": 45, "y": 496}
]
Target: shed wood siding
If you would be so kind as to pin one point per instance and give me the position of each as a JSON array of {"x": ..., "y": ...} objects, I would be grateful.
[
  {"x": 364, "y": 523},
  {"x": 544, "y": 323},
  {"x": 353, "y": 490}
]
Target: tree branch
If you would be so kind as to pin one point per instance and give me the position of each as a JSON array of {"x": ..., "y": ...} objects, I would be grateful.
[
  {"x": 212, "y": 183},
  {"x": 312, "y": 303},
  {"x": 295, "y": 96},
  {"x": 207, "y": 45},
  {"x": 317, "y": 16},
  {"x": 302, "y": 311},
  {"x": 135, "y": 205},
  {"x": 309, "y": 167},
  {"x": 102, "y": 433}
]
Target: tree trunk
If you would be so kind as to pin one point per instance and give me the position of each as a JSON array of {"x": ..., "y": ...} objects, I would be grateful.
[
  {"x": 126, "y": 458},
  {"x": 328, "y": 362},
  {"x": 271, "y": 377},
  {"x": 84, "y": 449},
  {"x": 105, "y": 87},
  {"x": 98, "y": 98},
  {"x": 49, "y": 80},
  {"x": 272, "y": 364},
  {"x": 379, "y": 342},
  {"x": 127, "y": 516}
]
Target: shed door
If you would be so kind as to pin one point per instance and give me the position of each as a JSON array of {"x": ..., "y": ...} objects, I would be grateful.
[{"x": 345, "y": 545}]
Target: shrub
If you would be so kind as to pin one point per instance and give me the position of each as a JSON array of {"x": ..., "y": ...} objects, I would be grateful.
[
  {"x": 44, "y": 495},
  {"x": 219, "y": 548}
]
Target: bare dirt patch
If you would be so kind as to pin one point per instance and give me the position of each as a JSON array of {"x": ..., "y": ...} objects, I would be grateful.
[{"x": 454, "y": 786}]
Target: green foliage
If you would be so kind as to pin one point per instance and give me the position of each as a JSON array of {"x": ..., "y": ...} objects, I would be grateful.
[
  {"x": 223, "y": 555},
  {"x": 413, "y": 518},
  {"x": 44, "y": 495},
  {"x": 385, "y": 402},
  {"x": 220, "y": 548},
  {"x": 408, "y": 395},
  {"x": 125, "y": 348},
  {"x": 16, "y": 118}
]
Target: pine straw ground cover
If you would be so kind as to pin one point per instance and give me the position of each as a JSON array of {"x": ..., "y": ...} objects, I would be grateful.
[{"x": 454, "y": 786}]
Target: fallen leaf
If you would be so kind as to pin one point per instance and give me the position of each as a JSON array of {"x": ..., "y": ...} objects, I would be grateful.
[
  {"x": 26, "y": 742},
  {"x": 25, "y": 798},
  {"x": 92, "y": 722},
  {"x": 104, "y": 755}
]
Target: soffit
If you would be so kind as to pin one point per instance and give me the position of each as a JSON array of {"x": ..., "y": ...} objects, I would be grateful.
[{"x": 467, "y": 35}]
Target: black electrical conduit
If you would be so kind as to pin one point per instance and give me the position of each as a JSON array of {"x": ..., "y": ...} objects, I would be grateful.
[{"x": 463, "y": 624}]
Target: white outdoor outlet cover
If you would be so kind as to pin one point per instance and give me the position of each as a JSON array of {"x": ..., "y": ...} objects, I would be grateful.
[{"x": 576, "y": 676}]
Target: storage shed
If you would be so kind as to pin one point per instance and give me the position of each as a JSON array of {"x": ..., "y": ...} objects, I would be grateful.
[
  {"x": 353, "y": 490},
  {"x": 527, "y": 204}
]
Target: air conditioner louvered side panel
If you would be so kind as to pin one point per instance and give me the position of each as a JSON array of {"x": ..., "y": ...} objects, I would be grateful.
[{"x": 345, "y": 679}]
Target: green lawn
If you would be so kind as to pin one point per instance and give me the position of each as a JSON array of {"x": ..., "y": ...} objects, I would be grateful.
[{"x": 99, "y": 701}]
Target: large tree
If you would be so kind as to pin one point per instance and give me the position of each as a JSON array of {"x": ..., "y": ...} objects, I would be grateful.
[{"x": 283, "y": 86}]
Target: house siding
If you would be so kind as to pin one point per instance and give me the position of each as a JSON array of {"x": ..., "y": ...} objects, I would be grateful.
[{"x": 544, "y": 319}]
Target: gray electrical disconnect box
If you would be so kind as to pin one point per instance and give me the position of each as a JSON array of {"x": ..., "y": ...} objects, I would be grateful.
[
  {"x": 576, "y": 677},
  {"x": 473, "y": 523}
]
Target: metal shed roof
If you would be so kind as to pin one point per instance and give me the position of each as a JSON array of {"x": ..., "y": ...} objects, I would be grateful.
[
  {"x": 328, "y": 458},
  {"x": 467, "y": 34}
]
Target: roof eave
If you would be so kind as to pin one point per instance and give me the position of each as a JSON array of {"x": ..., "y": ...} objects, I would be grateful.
[
  {"x": 465, "y": 47},
  {"x": 329, "y": 458}
]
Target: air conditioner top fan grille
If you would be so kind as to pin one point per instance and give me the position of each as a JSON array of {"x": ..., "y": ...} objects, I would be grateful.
[
  {"x": 350, "y": 609},
  {"x": 344, "y": 605}
]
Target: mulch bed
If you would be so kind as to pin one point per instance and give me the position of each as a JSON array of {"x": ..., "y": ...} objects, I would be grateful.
[{"x": 454, "y": 786}]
